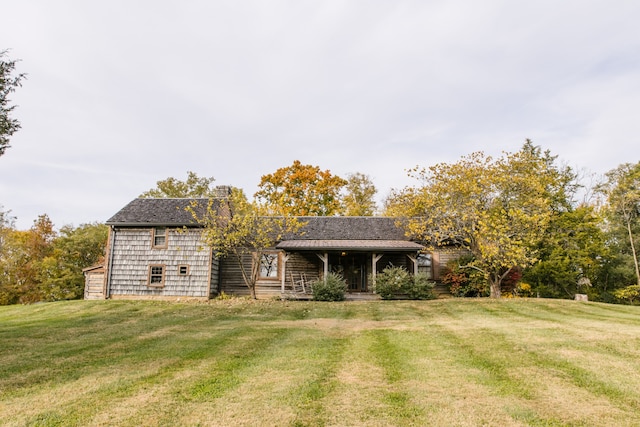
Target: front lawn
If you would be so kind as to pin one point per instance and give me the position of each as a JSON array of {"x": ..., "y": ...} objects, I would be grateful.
[{"x": 377, "y": 363}]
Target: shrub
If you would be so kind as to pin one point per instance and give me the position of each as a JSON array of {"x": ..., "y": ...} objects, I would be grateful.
[
  {"x": 332, "y": 288},
  {"x": 464, "y": 282},
  {"x": 629, "y": 294},
  {"x": 396, "y": 282},
  {"x": 391, "y": 282},
  {"x": 422, "y": 287},
  {"x": 223, "y": 296}
]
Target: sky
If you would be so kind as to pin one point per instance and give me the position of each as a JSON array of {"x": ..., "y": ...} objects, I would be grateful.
[{"x": 122, "y": 94}]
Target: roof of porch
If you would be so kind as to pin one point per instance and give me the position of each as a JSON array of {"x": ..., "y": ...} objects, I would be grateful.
[{"x": 350, "y": 245}]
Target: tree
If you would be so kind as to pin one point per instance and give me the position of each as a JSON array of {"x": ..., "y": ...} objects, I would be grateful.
[
  {"x": 73, "y": 250},
  {"x": 572, "y": 252},
  {"x": 622, "y": 191},
  {"x": 244, "y": 231},
  {"x": 359, "y": 197},
  {"x": 8, "y": 84},
  {"x": 23, "y": 253},
  {"x": 7, "y": 223},
  {"x": 301, "y": 190},
  {"x": 41, "y": 264},
  {"x": 494, "y": 208},
  {"x": 194, "y": 187}
]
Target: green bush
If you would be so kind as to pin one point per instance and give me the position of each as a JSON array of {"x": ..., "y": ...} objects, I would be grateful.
[
  {"x": 397, "y": 283},
  {"x": 629, "y": 294},
  {"x": 422, "y": 288},
  {"x": 332, "y": 288},
  {"x": 391, "y": 282}
]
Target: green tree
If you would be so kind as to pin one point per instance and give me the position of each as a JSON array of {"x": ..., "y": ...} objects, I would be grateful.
[
  {"x": 495, "y": 208},
  {"x": 243, "y": 230},
  {"x": 73, "y": 250},
  {"x": 193, "y": 187},
  {"x": 622, "y": 192},
  {"x": 571, "y": 252},
  {"x": 301, "y": 190},
  {"x": 9, "y": 81},
  {"x": 359, "y": 198}
]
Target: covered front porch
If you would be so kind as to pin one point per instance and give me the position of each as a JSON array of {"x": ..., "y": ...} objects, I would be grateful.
[{"x": 357, "y": 261}]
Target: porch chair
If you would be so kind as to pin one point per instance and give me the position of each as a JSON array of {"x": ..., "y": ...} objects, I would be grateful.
[{"x": 300, "y": 285}]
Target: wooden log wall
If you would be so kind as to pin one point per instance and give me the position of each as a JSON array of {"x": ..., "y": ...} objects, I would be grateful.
[{"x": 232, "y": 283}]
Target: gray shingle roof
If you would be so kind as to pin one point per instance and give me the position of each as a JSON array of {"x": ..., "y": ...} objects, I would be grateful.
[
  {"x": 349, "y": 233},
  {"x": 349, "y": 228},
  {"x": 157, "y": 212},
  {"x": 319, "y": 232},
  {"x": 350, "y": 245}
]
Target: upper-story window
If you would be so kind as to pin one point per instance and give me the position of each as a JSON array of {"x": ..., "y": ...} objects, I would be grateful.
[
  {"x": 269, "y": 265},
  {"x": 159, "y": 237}
]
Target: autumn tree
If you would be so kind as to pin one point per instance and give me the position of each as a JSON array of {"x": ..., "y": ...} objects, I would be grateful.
[
  {"x": 494, "y": 208},
  {"x": 9, "y": 81},
  {"x": 193, "y": 187},
  {"x": 243, "y": 231},
  {"x": 73, "y": 249},
  {"x": 22, "y": 255},
  {"x": 41, "y": 264},
  {"x": 622, "y": 192},
  {"x": 359, "y": 198},
  {"x": 301, "y": 190}
]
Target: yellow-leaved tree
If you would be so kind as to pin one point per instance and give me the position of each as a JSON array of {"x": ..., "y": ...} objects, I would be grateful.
[
  {"x": 359, "y": 198},
  {"x": 243, "y": 230},
  {"x": 302, "y": 190},
  {"x": 498, "y": 209}
]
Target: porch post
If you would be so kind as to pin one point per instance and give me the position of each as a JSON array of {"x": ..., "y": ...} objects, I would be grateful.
[
  {"x": 414, "y": 259},
  {"x": 325, "y": 260},
  {"x": 283, "y": 278},
  {"x": 374, "y": 262}
]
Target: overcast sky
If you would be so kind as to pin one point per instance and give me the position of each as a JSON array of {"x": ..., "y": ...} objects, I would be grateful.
[{"x": 121, "y": 94}]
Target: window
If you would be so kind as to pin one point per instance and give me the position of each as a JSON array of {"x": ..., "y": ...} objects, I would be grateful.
[
  {"x": 425, "y": 265},
  {"x": 269, "y": 265},
  {"x": 183, "y": 270},
  {"x": 156, "y": 275},
  {"x": 159, "y": 237}
]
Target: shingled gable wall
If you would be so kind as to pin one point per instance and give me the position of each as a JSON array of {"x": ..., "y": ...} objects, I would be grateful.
[{"x": 131, "y": 252}]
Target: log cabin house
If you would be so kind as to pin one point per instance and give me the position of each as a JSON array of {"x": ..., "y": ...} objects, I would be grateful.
[{"x": 155, "y": 251}]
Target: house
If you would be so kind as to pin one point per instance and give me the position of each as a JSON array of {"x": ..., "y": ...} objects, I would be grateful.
[{"x": 155, "y": 252}]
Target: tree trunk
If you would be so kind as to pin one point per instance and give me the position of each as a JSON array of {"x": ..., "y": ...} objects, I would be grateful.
[
  {"x": 633, "y": 251},
  {"x": 255, "y": 271},
  {"x": 251, "y": 280},
  {"x": 495, "y": 285}
]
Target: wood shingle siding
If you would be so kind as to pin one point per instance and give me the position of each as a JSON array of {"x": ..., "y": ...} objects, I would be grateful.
[{"x": 133, "y": 254}]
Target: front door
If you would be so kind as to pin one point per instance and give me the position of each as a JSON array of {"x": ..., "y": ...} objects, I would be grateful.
[{"x": 353, "y": 267}]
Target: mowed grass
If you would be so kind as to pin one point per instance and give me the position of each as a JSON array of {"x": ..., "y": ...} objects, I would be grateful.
[{"x": 272, "y": 363}]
